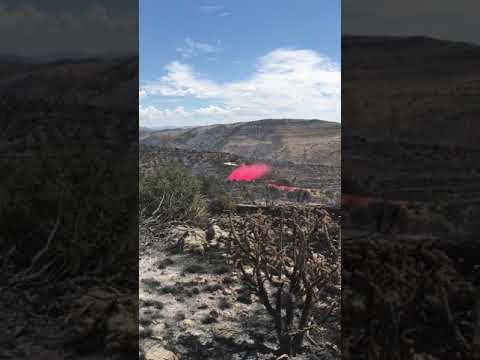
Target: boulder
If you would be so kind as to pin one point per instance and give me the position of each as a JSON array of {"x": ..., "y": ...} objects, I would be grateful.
[
  {"x": 102, "y": 312},
  {"x": 194, "y": 241},
  {"x": 159, "y": 353},
  {"x": 186, "y": 239},
  {"x": 228, "y": 334},
  {"x": 224, "y": 332},
  {"x": 215, "y": 234}
]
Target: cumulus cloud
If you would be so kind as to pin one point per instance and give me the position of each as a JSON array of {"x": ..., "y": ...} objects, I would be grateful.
[
  {"x": 154, "y": 116},
  {"x": 296, "y": 83},
  {"x": 193, "y": 48}
]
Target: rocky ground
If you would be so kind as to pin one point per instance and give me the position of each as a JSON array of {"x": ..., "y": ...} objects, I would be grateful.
[
  {"x": 82, "y": 318},
  {"x": 193, "y": 305},
  {"x": 407, "y": 297}
]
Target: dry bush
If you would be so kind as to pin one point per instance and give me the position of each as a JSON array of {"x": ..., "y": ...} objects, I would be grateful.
[{"x": 288, "y": 263}]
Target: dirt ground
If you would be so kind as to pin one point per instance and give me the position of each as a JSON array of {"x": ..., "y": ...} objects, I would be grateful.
[{"x": 193, "y": 304}]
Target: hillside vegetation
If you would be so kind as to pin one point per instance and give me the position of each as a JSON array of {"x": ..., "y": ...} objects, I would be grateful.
[{"x": 298, "y": 141}]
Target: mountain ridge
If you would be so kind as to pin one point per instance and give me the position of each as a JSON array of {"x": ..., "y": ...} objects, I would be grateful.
[
  {"x": 295, "y": 140},
  {"x": 424, "y": 89}
]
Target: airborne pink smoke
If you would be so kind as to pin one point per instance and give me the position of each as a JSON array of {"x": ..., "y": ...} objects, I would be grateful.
[{"x": 249, "y": 172}]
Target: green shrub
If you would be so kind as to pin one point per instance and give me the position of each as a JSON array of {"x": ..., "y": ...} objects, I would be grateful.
[
  {"x": 218, "y": 197},
  {"x": 168, "y": 193},
  {"x": 222, "y": 203}
]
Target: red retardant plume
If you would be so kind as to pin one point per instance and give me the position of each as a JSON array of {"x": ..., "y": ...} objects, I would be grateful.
[{"x": 249, "y": 172}]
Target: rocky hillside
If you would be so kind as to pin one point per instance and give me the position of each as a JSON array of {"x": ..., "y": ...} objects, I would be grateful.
[
  {"x": 299, "y": 141},
  {"x": 322, "y": 181},
  {"x": 424, "y": 90},
  {"x": 95, "y": 81},
  {"x": 409, "y": 113}
]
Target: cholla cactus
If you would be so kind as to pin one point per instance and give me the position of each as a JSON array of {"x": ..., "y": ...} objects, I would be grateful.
[{"x": 281, "y": 263}]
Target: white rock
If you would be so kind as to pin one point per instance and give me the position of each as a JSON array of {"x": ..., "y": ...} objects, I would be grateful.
[
  {"x": 194, "y": 241},
  {"x": 159, "y": 353},
  {"x": 215, "y": 232},
  {"x": 186, "y": 239}
]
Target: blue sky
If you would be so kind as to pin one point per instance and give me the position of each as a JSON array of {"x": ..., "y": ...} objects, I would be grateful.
[{"x": 226, "y": 61}]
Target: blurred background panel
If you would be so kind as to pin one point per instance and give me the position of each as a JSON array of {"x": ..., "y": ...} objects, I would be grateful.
[
  {"x": 410, "y": 179},
  {"x": 69, "y": 179}
]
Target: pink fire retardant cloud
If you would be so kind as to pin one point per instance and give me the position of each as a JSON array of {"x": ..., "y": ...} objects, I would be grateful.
[
  {"x": 249, "y": 172},
  {"x": 283, "y": 188}
]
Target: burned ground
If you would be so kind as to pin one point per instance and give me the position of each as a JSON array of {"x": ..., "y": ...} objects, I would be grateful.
[{"x": 195, "y": 303}]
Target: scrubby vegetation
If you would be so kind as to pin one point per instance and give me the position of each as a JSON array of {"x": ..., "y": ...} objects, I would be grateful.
[
  {"x": 299, "y": 196},
  {"x": 222, "y": 203},
  {"x": 218, "y": 197},
  {"x": 68, "y": 230},
  {"x": 82, "y": 206},
  {"x": 168, "y": 193}
]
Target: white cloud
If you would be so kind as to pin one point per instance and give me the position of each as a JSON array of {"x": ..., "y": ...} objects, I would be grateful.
[
  {"x": 214, "y": 10},
  {"x": 153, "y": 116},
  {"x": 213, "y": 110},
  {"x": 286, "y": 83},
  {"x": 193, "y": 48},
  {"x": 153, "y": 113}
]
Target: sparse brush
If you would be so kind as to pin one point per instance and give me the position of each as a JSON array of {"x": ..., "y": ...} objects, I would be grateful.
[
  {"x": 300, "y": 195},
  {"x": 222, "y": 203}
]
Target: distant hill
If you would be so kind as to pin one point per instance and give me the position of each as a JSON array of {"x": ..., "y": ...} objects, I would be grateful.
[
  {"x": 94, "y": 81},
  {"x": 410, "y": 115},
  {"x": 147, "y": 131},
  {"x": 143, "y": 131},
  {"x": 415, "y": 89},
  {"x": 84, "y": 102},
  {"x": 299, "y": 141}
]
